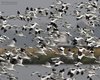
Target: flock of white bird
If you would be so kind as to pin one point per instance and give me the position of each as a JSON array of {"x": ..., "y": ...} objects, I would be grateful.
[{"x": 84, "y": 42}]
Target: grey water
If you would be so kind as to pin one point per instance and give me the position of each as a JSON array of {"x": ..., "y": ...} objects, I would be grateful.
[
  {"x": 10, "y": 7},
  {"x": 24, "y": 73}
]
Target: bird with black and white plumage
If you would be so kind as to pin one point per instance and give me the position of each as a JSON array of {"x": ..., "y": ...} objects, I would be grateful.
[
  {"x": 13, "y": 42},
  {"x": 72, "y": 72},
  {"x": 11, "y": 76},
  {"x": 58, "y": 63},
  {"x": 62, "y": 51},
  {"x": 70, "y": 54}
]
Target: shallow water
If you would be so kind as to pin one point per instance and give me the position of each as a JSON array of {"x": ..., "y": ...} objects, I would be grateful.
[
  {"x": 10, "y": 7},
  {"x": 24, "y": 73}
]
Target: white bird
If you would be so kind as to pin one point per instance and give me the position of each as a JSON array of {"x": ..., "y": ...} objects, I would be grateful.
[
  {"x": 61, "y": 73},
  {"x": 81, "y": 5},
  {"x": 59, "y": 2},
  {"x": 34, "y": 25},
  {"x": 91, "y": 55},
  {"x": 78, "y": 64},
  {"x": 92, "y": 73},
  {"x": 12, "y": 44},
  {"x": 61, "y": 51},
  {"x": 70, "y": 54},
  {"x": 9, "y": 53},
  {"x": 81, "y": 49},
  {"x": 24, "y": 55},
  {"x": 70, "y": 79},
  {"x": 41, "y": 51},
  {"x": 55, "y": 58},
  {"x": 76, "y": 13},
  {"x": 8, "y": 66},
  {"x": 58, "y": 63},
  {"x": 33, "y": 73},
  {"x": 11, "y": 77},
  {"x": 2, "y": 59},
  {"x": 54, "y": 20},
  {"x": 20, "y": 34},
  {"x": 81, "y": 56},
  {"x": 72, "y": 72},
  {"x": 47, "y": 65},
  {"x": 20, "y": 61},
  {"x": 2, "y": 71}
]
